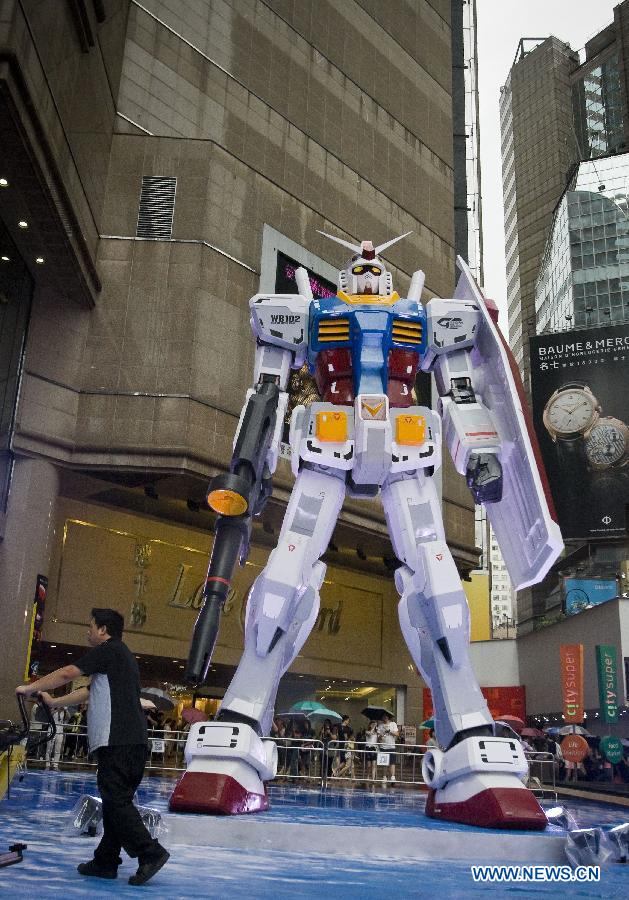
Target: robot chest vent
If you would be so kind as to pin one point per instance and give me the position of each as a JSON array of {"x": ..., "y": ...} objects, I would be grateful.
[
  {"x": 333, "y": 330},
  {"x": 406, "y": 331}
]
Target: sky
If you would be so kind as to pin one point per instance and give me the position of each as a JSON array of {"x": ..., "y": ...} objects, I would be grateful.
[{"x": 501, "y": 24}]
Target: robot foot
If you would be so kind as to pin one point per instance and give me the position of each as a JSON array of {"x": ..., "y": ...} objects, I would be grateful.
[
  {"x": 478, "y": 782},
  {"x": 228, "y": 765},
  {"x": 218, "y": 793}
]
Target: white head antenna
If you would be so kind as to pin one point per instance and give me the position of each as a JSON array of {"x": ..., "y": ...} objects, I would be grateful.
[
  {"x": 357, "y": 248},
  {"x": 354, "y": 247},
  {"x": 390, "y": 243}
]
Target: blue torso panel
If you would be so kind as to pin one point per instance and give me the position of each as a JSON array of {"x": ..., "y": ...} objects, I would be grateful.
[{"x": 370, "y": 331}]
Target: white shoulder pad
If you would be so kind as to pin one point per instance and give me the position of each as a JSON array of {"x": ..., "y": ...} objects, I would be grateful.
[
  {"x": 281, "y": 319},
  {"x": 452, "y": 325}
]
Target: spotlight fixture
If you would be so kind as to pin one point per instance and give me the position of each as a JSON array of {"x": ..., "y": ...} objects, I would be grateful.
[
  {"x": 22, "y": 223},
  {"x": 4, "y": 182},
  {"x": 5, "y": 258},
  {"x": 39, "y": 260}
]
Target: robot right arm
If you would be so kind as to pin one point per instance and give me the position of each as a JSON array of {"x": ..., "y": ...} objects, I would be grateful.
[{"x": 280, "y": 325}]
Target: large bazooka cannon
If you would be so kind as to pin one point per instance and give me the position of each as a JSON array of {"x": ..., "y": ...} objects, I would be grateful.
[{"x": 236, "y": 496}]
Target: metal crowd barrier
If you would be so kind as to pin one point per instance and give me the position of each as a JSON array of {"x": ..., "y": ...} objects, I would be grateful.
[
  {"x": 299, "y": 759},
  {"x": 357, "y": 761},
  {"x": 542, "y": 778}
]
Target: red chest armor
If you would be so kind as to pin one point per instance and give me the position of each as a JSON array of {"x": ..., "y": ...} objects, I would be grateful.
[{"x": 333, "y": 375}]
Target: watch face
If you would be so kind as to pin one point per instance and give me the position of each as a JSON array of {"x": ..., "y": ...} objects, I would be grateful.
[
  {"x": 571, "y": 411},
  {"x": 606, "y": 445}
]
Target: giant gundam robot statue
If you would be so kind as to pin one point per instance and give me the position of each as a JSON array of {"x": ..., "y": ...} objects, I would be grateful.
[{"x": 366, "y": 437}]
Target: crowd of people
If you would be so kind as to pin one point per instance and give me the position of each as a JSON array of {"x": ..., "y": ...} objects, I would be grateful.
[
  {"x": 345, "y": 753},
  {"x": 167, "y": 736}
]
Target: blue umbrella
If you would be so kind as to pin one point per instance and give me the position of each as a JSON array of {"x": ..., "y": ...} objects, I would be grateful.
[{"x": 306, "y": 706}]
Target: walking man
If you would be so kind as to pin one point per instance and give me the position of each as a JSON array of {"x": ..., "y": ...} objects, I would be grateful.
[{"x": 117, "y": 735}]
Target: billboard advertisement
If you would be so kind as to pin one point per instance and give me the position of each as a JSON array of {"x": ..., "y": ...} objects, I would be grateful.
[
  {"x": 581, "y": 593},
  {"x": 581, "y": 417}
]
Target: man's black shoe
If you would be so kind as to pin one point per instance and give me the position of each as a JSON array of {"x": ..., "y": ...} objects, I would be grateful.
[
  {"x": 92, "y": 868},
  {"x": 147, "y": 869}
]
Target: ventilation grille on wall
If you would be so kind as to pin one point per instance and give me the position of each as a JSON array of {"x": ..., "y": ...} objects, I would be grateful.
[{"x": 157, "y": 207}]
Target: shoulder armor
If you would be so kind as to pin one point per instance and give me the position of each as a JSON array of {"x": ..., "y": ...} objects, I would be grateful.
[
  {"x": 282, "y": 320},
  {"x": 452, "y": 325}
]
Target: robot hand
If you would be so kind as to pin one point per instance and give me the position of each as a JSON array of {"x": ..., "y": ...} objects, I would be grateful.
[
  {"x": 484, "y": 477},
  {"x": 266, "y": 489}
]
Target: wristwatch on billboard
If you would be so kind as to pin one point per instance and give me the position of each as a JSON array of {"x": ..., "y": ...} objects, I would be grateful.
[
  {"x": 607, "y": 445},
  {"x": 569, "y": 416}
]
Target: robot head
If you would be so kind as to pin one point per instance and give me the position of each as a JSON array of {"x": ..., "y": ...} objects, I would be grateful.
[{"x": 365, "y": 273}]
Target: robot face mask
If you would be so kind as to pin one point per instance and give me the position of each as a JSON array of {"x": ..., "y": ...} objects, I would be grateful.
[{"x": 366, "y": 276}]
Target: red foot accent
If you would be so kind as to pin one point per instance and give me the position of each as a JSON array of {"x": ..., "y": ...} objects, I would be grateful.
[
  {"x": 206, "y": 792},
  {"x": 492, "y": 808}
]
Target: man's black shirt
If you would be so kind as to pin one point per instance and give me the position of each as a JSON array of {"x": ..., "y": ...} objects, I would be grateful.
[{"x": 114, "y": 715}]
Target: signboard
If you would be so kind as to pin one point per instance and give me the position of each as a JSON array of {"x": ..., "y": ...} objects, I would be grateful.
[
  {"x": 574, "y": 748},
  {"x": 611, "y": 748},
  {"x": 409, "y": 733},
  {"x": 382, "y": 759},
  {"x": 581, "y": 593},
  {"x": 571, "y": 659},
  {"x": 581, "y": 419},
  {"x": 502, "y": 701},
  {"x": 37, "y": 621},
  {"x": 285, "y": 278},
  {"x": 607, "y": 671}
]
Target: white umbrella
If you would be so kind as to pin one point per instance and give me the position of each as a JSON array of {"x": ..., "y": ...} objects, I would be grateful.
[
  {"x": 323, "y": 714},
  {"x": 573, "y": 729}
]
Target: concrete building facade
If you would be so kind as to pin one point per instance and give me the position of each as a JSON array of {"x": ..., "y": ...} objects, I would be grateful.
[
  {"x": 208, "y": 142},
  {"x": 538, "y": 149}
]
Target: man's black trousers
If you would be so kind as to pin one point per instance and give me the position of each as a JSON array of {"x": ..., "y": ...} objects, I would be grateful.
[{"x": 120, "y": 771}]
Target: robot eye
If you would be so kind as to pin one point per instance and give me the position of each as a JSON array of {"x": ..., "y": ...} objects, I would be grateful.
[
  {"x": 357, "y": 270},
  {"x": 376, "y": 270}
]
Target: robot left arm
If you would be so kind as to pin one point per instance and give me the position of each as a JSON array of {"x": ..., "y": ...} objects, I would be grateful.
[{"x": 470, "y": 430}]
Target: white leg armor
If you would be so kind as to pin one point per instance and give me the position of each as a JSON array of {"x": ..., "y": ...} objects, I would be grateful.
[
  {"x": 228, "y": 762},
  {"x": 433, "y": 611},
  {"x": 284, "y": 600},
  {"x": 477, "y": 779}
]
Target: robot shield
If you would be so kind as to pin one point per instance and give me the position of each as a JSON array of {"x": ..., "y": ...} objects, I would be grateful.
[{"x": 524, "y": 520}]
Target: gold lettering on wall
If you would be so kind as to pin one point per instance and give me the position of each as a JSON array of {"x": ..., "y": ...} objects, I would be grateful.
[{"x": 162, "y": 582}]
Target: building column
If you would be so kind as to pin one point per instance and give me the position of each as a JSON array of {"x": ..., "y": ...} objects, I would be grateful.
[{"x": 25, "y": 553}]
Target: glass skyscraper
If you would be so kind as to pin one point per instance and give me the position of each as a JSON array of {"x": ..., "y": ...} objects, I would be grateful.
[
  {"x": 584, "y": 276},
  {"x": 598, "y": 109}
]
